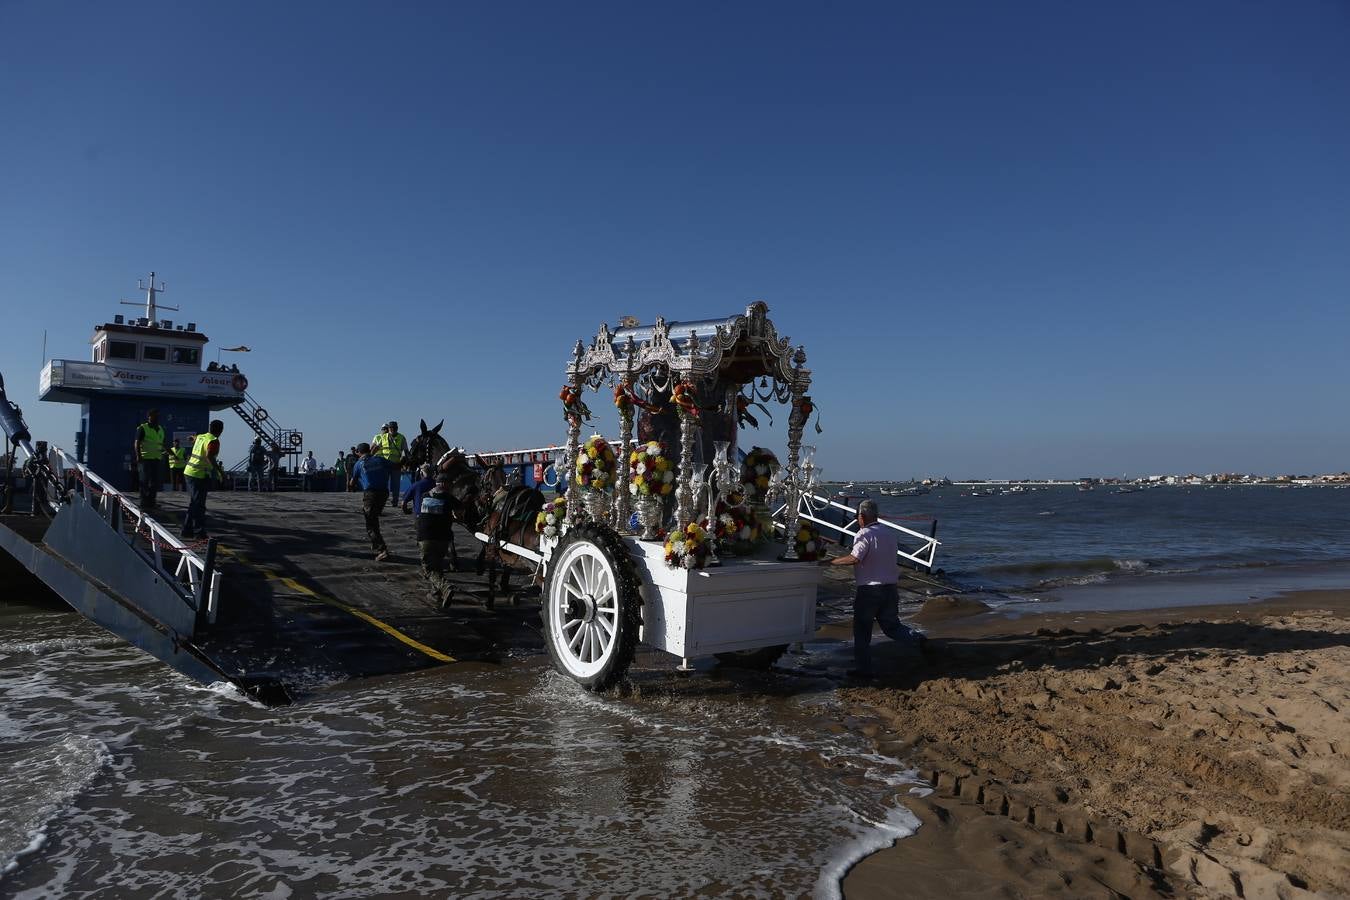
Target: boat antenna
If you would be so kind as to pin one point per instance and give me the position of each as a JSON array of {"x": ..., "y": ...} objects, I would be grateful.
[{"x": 151, "y": 308}]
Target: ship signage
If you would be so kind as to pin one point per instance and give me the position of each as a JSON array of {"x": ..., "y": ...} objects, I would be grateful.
[{"x": 72, "y": 374}]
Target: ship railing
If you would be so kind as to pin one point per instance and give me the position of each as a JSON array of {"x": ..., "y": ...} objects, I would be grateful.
[
  {"x": 162, "y": 547},
  {"x": 812, "y": 507}
]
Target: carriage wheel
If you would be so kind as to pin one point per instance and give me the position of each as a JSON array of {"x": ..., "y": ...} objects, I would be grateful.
[
  {"x": 761, "y": 659},
  {"x": 592, "y": 607}
]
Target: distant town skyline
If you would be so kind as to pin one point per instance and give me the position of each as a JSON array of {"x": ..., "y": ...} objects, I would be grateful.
[{"x": 1033, "y": 240}]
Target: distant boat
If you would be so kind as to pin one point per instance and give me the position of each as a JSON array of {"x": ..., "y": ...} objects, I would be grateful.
[{"x": 1127, "y": 489}]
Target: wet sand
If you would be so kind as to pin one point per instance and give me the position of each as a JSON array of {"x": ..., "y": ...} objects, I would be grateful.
[{"x": 1202, "y": 751}]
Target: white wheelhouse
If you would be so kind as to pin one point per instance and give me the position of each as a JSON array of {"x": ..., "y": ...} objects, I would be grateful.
[{"x": 583, "y": 620}]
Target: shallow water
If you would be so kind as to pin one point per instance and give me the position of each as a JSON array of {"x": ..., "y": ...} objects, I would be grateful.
[{"x": 121, "y": 777}]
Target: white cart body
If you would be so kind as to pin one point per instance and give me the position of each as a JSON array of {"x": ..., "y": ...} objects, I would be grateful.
[{"x": 740, "y": 605}]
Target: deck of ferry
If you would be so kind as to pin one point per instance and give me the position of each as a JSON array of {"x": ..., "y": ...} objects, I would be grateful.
[{"x": 303, "y": 603}]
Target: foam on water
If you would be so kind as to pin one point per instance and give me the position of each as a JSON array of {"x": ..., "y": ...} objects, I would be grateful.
[
  {"x": 35, "y": 785},
  {"x": 463, "y": 782},
  {"x": 898, "y": 823}
]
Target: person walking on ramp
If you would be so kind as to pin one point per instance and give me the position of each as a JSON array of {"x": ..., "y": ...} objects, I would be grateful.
[
  {"x": 393, "y": 447},
  {"x": 371, "y": 475},
  {"x": 877, "y": 598},
  {"x": 435, "y": 539},
  {"x": 203, "y": 468}
]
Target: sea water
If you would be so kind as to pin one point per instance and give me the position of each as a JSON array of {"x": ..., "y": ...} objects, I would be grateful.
[
  {"x": 122, "y": 778},
  {"x": 1166, "y": 546}
]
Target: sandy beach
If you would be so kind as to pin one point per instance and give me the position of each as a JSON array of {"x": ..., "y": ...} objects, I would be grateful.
[{"x": 1201, "y": 752}]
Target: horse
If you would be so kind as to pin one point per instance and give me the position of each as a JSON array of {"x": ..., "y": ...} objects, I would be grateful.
[
  {"x": 508, "y": 518},
  {"x": 483, "y": 504}
]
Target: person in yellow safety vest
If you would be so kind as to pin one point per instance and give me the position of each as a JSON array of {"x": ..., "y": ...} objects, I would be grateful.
[
  {"x": 392, "y": 447},
  {"x": 149, "y": 450},
  {"x": 201, "y": 469},
  {"x": 177, "y": 461}
]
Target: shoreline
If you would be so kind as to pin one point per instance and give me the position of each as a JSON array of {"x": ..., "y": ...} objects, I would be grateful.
[{"x": 1185, "y": 751}]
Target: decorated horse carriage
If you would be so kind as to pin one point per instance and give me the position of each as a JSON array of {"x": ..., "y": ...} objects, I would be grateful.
[{"x": 665, "y": 537}]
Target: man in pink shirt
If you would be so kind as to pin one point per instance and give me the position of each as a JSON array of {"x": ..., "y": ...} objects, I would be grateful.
[{"x": 876, "y": 599}]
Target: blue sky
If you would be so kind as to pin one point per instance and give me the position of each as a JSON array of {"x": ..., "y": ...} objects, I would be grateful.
[{"x": 1016, "y": 239}]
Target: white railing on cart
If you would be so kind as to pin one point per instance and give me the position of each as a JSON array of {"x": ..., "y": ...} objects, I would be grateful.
[
  {"x": 809, "y": 506},
  {"x": 130, "y": 521}
]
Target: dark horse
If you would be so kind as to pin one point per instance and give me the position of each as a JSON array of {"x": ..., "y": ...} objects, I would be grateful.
[{"x": 484, "y": 504}]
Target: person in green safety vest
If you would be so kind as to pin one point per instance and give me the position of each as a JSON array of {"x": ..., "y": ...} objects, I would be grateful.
[
  {"x": 149, "y": 455},
  {"x": 177, "y": 460},
  {"x": 201, "y": 471},
  {"x": 391, "y": 447}
]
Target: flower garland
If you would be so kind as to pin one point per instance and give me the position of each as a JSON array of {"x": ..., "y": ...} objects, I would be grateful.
[
  {"x": 550, "y": 518},
  {"x": 573, "y": 406},
  {"x": 595, "y": 465},
  {"x": 649, "y": 471},
  {"x": 625, "y": 398},
  {"x": 810, "y": 545},
  {"x": 685, "y": 397},
  {"x": 756, "y": 470},
  {"x": 687, "y": 548}
]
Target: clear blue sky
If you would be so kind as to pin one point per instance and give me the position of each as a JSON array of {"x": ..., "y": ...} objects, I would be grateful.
[{"x": 1016, "y": 238}]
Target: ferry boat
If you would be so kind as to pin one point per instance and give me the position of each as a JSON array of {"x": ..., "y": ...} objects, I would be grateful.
[{"x": 144, "y": 362}]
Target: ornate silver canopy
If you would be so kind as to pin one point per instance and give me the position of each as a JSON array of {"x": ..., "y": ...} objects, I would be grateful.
[
  {"x": 726, "y": 356},
  {"x": 736, "y": 349}
]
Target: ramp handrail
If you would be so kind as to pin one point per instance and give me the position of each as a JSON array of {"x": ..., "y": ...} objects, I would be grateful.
[
  {"x": 189, "y": 572},
  {"x": 810, "y": 504}
]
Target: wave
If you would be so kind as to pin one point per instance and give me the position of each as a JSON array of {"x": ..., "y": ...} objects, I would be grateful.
[
  {"x": 1054, "y": 569},
  {"x": 36, "y": 785},
  {"x": 1044, "y": 566}
]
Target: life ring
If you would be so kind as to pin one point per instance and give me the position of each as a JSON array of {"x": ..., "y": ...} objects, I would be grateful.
[
  {"x": 260, "y": 415},
  {"x": 239, "y": 383},
  {"x": 297, "y": 439}
]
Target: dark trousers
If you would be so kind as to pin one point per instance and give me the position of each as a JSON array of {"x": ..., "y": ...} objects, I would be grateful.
[
  {"x": 372, "y": 504},
  {"x": 306, "y": 482},
  {"x": 176, "y": 480},
  {"x": 395, "y": 482},
  {"x": 434, "y": 554},
  {"x": 151, "y": 479},
  {"x": 194, "y": 521},
  {"x": 877, "y": 603}
]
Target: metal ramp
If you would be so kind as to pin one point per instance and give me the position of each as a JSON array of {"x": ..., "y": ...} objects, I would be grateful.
[
  {"x": 813, "y": 508},
  {"x": 121, "y": 569}
]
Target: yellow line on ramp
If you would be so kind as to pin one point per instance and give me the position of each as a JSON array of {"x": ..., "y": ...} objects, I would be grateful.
[{"x": 273, "y": 575}]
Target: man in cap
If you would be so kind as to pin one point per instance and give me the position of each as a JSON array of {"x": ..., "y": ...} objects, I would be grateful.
[
  {"x": 392, "y": 447},
  {"x": 435, "y": 538},
  {"x": 371, "y": 475},
  {"x": 201, "y": 471}
]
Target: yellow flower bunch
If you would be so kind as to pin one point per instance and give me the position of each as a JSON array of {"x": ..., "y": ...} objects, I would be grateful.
[{"x": 687, "y": 548}]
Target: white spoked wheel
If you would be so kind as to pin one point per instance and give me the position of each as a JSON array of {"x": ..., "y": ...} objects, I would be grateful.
[{"x": 589, "y": 611}]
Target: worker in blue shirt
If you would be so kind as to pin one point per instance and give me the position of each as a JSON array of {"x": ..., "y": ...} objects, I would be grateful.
[
  {"x": 371, "y": 475},
  {"x": 425, "y": 484},
  {"x": 412, "y": 497}
]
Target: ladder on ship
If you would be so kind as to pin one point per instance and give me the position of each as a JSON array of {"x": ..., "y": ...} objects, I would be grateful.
[{"x": 286, "y": 441}]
